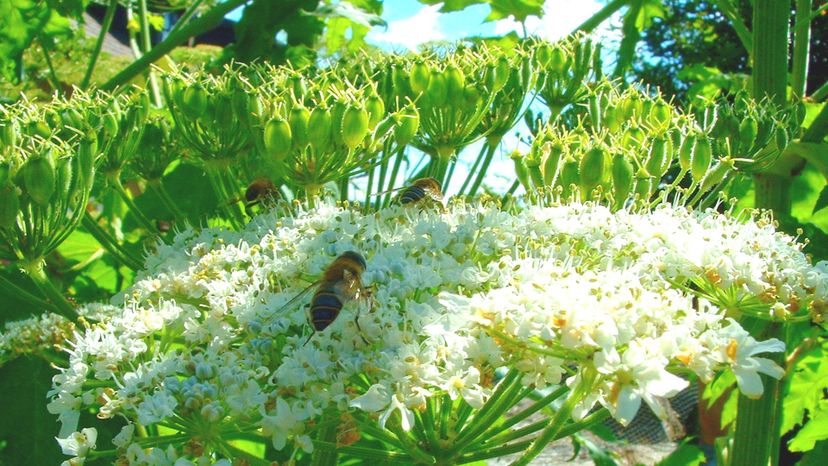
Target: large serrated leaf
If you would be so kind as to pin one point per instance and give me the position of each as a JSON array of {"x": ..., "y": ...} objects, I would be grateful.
[
  {"x": 805, "y": 389},
  {"x": 686, "y": 454},
  {"x": 815, "y": 430}
]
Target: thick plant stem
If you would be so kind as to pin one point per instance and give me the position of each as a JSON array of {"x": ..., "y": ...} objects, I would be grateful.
[
  {"x": 560, "y": 419},
  {"x": 105, "y": 25},
  {"x": 770, "y": 71},
  {"x": 602, "y": 15},
  {"x": 395, "y": 170},
  {"x": 34, "y": 270},
  {"x": 757, "y": 436},
  {"x": 146, "y": 45},
  {"x": 801, "y": 50}
]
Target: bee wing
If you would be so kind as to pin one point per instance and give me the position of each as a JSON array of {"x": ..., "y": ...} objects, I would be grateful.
[
  {"x": 389, "y": 191},
  {"x": 299, "y": 296}
]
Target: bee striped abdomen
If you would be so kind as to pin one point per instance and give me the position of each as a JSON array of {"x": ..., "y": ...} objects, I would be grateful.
[
  {"x": 412, "y": 194},
  {"x": 325, "y": 306}
]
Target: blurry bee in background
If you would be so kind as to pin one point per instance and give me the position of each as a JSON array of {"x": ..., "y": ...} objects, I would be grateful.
[
  {"x": 420, "y": 190},
  {"x": 260, "y": 191},
  {"x": 340, "y": 284}
]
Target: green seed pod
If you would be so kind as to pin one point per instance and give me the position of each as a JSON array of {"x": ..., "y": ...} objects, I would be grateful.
[
  {"x": 376, "y": 110},
  {"x": 591, "y": 169},
  {"x": 632, "y": 138},
  {"x": 595, "y": 112},
  {"x": 715, "y": 175},
  {"x": 419, "y": 77},
  {"x": 39, "y": 178},
  {"x": 702, "y": 156},
  {"x": 337, "y": 114},
  {"x": 110, "y": 125},
  {"x": 8, "y": 134},
  {"x": 569, "y": 175},
  {"x": 521, "y": 171},
  {"x": 87, "y": 156},
  {"x": 661, "y": 113},
  {"x": 194, "y": 101},
  {"x": 277, "y": 138},
  {"x": 781, "y": 138},
  {"x": 657, "y": 161},
  {"x": 9, "y": 205},
  {"x": 748, "y": 130},
  {"x": 622, "y": 179},
  {"x": 354, "y": 126},
  {"x": 437, "y": 91},
  {"x": 557, "y": 61},
  {"x": 400, "y": 81},
  {"x": 550, "y": 159},
  {"x": 543, "y": 54},
  {"x": 5, "y": 173},
  {"x": 319, "y": 128},
  {"x": 455, "y": 82},
  {"x": 63, "y": 179},
  {"x": 407, "y": 125},
  {"x": 686, "y": 152},
  {"x": 299, "y": 118},
  {"x": 40, "y": 128},
  {"x": 471, "y": 97},
  {"x": 643, "y": 184},
  {"x": 300, "y": 88},
  {"x": 503, "y": 70}
]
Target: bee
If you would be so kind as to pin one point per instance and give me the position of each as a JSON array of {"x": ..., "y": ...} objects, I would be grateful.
[
  {"x": 419, "y": 190},
  {"x": 260, "y": 190},
  {"x": 340, "y": 284}
]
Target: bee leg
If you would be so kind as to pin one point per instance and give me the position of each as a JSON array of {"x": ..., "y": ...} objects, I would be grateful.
[
  {"x": 361, "y": 333},
  {"x": 309, "y": 338}
]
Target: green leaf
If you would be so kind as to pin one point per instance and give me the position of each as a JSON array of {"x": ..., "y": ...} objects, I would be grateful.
[
  {"x": 600, "y": 455},
  {"x": 729, "y": 410},
  {"x": 822, "y": 200},
  {"x": 816, "y": 456},
  {"x": 20, "y": 21},
  {"x": 520, "y": 9},
  {"x": 350, "y": 12},
  {"x": 816, "y": 429},
  {"x": 805, "y": 388},
  {"x": 686, "y": 454},
  {"x": 720, "y": 386}
]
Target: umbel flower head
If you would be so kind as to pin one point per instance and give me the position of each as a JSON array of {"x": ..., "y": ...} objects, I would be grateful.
[{"x": 203, "y": 343}]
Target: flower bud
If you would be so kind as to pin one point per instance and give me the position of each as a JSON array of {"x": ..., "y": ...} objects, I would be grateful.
[
  {"x": 455, "y": 82},
  {"x": 643, "y": 184},
  {"x": 662, "y": 113},
  {"x": 39, "y": 178},
  {"x": 592, "y": 168},
  {"x": 376, "y": 110},
  {"x": 569, "y": 175},
  {"x": 194, "y": 101},
  {"x": 299, "y": 118},
  {"x": 407, "y": 125},
  {"x": 520, "y": 170},
  {"x": 748, "y": 130},
  {"x": 557, "y": 61},
  {"x": 9, "y": 205},
  {"x": 8, "y": 134},
  {"x": 319, "y": 128},
  {"x": 87, "y": 156},
  {"x": 702, "y": 156},
  {"x": 657, "y": 160},
  {"x": 503, "y": 70},
  {"x": 686, "y": 152},
  {"x": 550, "y": 158},
  {"x": 437, "y": 91},
  {"x": 622, "y": 178},
  {"x": 110, "y": 125},
  {"x": 543, "y": 53},
  {"x": 354, "y": 126},
  {"x": 419, "y": 77},
  {"x": 277, "y": 138}
]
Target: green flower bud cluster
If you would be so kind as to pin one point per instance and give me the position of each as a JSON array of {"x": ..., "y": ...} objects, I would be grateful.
[
  {"x": 45, "y": 181},
  {"x": 121, "y": 130},
  {"x": 327, "y": 131},
  {"x": 157, "y": 148},
  {"x": 753, "y": 134},
  {"x": 565, "y": 69},
  {"x": 624, "y": 147},
  {"x": 209, "y": 113},
  {"x": 505, "y": 110}
]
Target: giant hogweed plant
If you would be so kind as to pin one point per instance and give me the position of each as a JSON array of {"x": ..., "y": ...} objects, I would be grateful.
[{"x": 491, "y": 327}]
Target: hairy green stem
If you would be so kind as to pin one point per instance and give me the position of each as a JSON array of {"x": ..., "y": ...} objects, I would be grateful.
[
  {"x": 36, "y": 272},
  {"x": 370, "y": 454},
  {"x": 801, "y": 49},
  {"x": 186, "y": 16},
  {"x": 105, "y": 25},
  {"x": 757, "y": 435},
  {"x": 395, "y": 170},
  {"x": 484, "y": 168}
]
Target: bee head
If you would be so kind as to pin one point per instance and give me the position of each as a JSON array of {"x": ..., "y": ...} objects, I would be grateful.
[{"x": 355, "y": 257}]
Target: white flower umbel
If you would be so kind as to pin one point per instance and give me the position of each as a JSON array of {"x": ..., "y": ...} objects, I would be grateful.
[{"x": 204, "y": 346}]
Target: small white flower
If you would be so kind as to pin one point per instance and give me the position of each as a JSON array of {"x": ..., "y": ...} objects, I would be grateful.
[{"x": 78, "y": 445}]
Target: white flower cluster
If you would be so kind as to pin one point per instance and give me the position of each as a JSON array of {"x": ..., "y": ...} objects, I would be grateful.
[
  {"x": 204, "y": 344},
  {"x": 33, "y": 336}
]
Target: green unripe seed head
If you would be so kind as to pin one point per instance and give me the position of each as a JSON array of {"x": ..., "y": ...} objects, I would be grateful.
[
  {"x": 354, "y": 126},
  {"x": 702, "y": 156},
  {"x": 277, "y": 138},
  {"x": 455, "y": 82},
  {"x": 319, "y": 128},
  {"x": 39, "y": 178},
  {"x": 419, "y": 77},
  {"x": 376, "y": 110},
  {"x": 407, "y": 125},
  {"x": 9, "y": 205},
  {"x": 299, "y": 120},
  {"x": 592, "y": 168}
]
